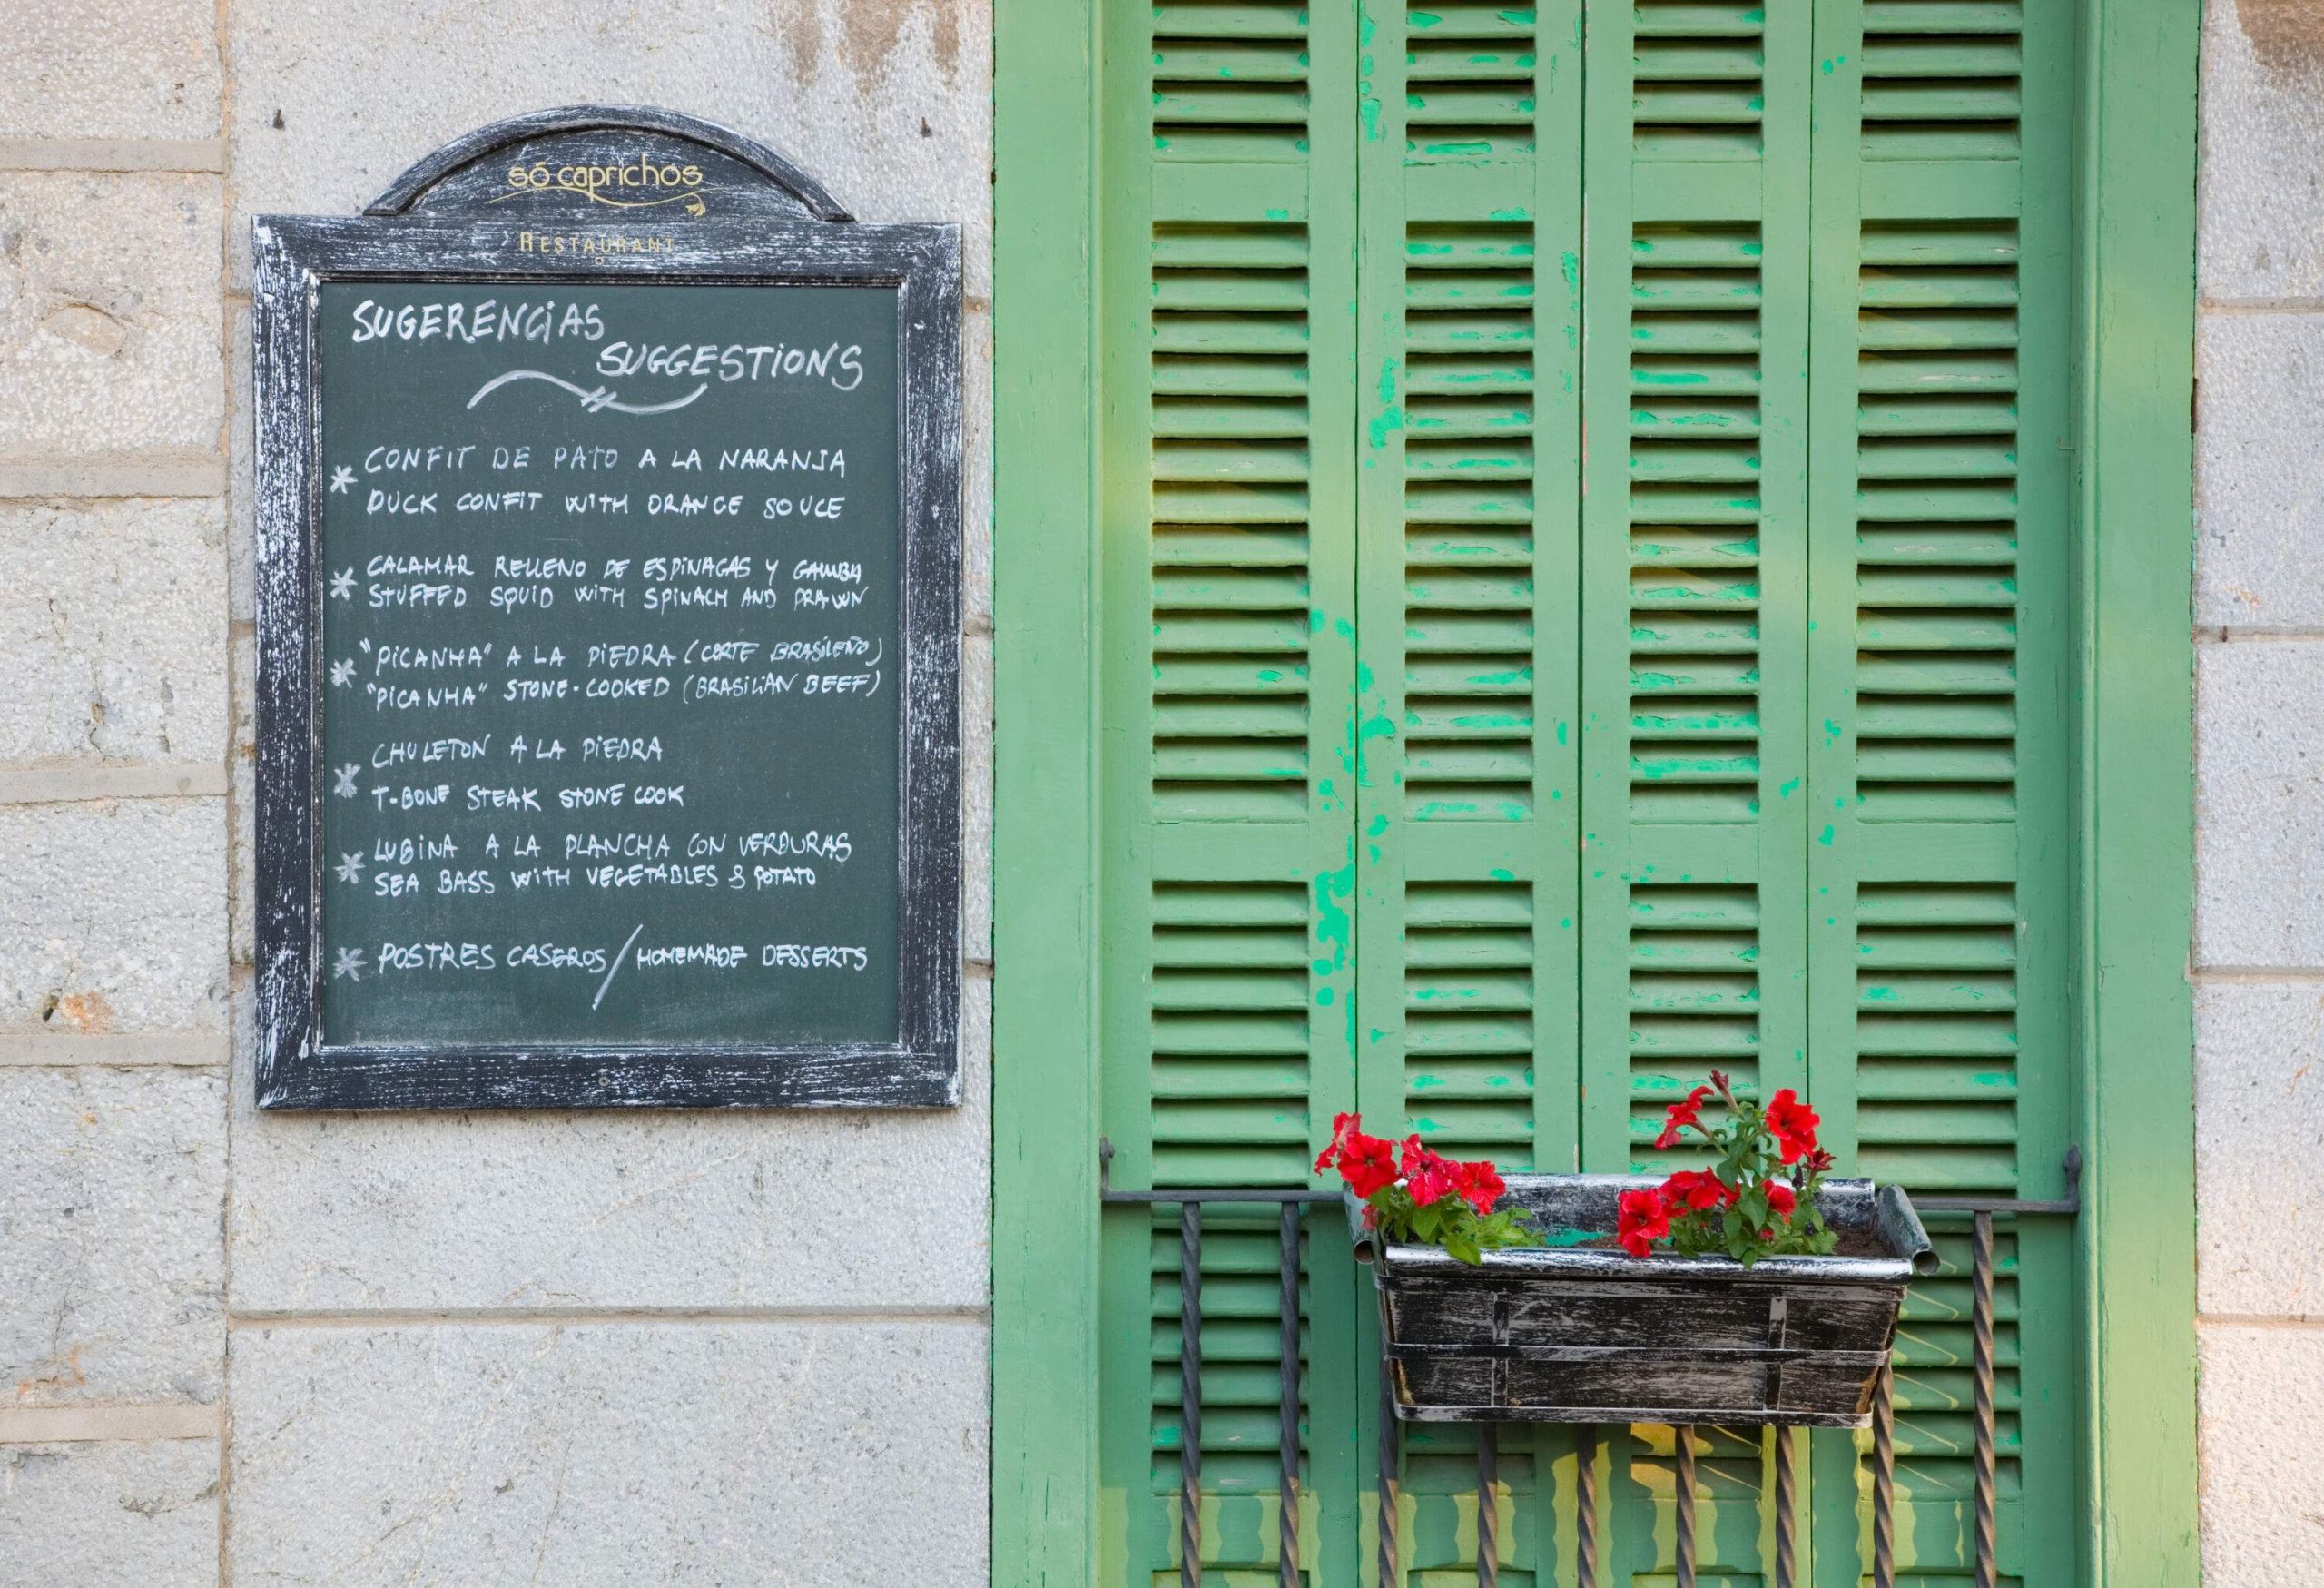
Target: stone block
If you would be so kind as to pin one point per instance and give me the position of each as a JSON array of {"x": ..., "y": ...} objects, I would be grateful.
[
  {"x": 113, "y": 916},
  {"x": 112, "y": 1244},
  {"x": 125, "y": 69},
  {"x": 2259, "y": 804},
  {"x": 2259, "y": 1114},
  {"x": 976, "y": 472},
  {"x": 890, "y": 105},
  {"x": 677, "y": 1209},
  {"x": 617, "y": 1455},
  {"x": 2262, "y": 1487},
  {"x": 2263, "y": 183},
  {"x": 110, "y": 316},
  {"x": 242, "y": 494},
  {"x": 115, "y": 637},
  {"x": 132, "y": 1515},
  {"x": 2259, "y": 470},
  {"x": 242, "y": 768}
]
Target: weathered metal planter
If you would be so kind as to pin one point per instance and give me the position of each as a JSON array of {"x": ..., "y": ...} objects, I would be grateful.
[{"x": 1578, "y": 1331}]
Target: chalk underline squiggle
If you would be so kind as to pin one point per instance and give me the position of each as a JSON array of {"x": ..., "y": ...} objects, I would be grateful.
[{"x": 602, "y": 398}]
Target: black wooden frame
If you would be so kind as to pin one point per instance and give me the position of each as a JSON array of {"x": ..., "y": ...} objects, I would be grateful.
[{"x": 782, "y": 243}]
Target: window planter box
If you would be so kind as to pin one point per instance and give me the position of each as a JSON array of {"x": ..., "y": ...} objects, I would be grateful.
[{"x": 1578, "y": 1331}]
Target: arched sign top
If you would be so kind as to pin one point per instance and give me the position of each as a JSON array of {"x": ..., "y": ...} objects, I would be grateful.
[{"x": 622, "y": 152}]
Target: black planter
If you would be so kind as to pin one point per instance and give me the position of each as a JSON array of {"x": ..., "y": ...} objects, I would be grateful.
[{"x": 1585, "y": 1333}]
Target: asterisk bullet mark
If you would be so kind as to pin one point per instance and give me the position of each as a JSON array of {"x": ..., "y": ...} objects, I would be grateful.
[
  {"x": 349, "y": 964},
  {"x": 342, "y": 583},
  {"x": 345, "y": 788},
  {"x": 342, "y": 674},
  {"x": 341, "y": 479},
  {"x": 350, "y": 867}
]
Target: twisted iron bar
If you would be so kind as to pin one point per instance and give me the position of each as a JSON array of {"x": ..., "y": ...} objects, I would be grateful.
[
  {"x": 1787, "y": 1511},
  {"x": 1683, "y": 1438},
  {"x": 1287, "y": 1450},
  {"x": 1981, "y": 1323},
  {"x": 1884, "y": 1480},
  {"x": 1585, "y": 1506},
  {"x": 1388, "y": 1458},
  {"x": 1488, "y": 1508},
  {"x": 1190, "y": 1395}
]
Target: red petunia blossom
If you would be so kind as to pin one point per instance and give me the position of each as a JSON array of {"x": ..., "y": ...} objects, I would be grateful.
[
  {"x": 1682, "y": 1115},
  {"x": 1781, "y": 1198},
  {"x": 1794, "y": 1123},
  {"x": 1427, "y": 1176},
  {"x": 1644, "y": 1217},
  {"x": 1367, "y": 1163},
  {"x": 1693, "y": 1190},
  {"x": 1479, "y": 1185},
  {"x": 1343, "y": 1126}
]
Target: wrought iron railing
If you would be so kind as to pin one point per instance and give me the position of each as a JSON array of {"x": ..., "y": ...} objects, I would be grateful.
[{"x": 1292, "y": 1205}]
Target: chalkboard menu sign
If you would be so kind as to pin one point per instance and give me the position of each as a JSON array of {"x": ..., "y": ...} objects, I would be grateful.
[{"x": 608, "y": 603}]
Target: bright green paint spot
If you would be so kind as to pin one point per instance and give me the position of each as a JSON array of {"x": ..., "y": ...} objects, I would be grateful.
[
  {"x": 1512, "y": 215},
  {"x": 1825, "y": 836},
  {"x": 1563, "y": 1236},
  {"x": 1371, "y": 119},
  {"x": 1278, "y": 214},
  {"x": 1422, "y": 19},
  {"x": 1379, "y": 826},
  {"x": 1790, "y": 785},
  {"x": 1322, "y": 998},
  {"x": 1831, "y": 732},
  {"x": 1502, "y": 873}
]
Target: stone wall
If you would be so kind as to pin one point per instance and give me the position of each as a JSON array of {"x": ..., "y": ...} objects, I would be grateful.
[
  {"x": 449, "y": 1349},
  {"x": 2258, "y": 951}
]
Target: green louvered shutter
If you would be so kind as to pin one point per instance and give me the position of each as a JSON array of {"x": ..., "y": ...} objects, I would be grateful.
[
  {"x": 1695, "y": 576},
  {"x": 1467, "y": 450},
  {"x": 1229, "y": 617},
  {"x": 1939, "y": 917},
  {"x": 1585, "y": 602}
]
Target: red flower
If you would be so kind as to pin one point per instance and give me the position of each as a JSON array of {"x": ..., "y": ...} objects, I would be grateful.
[
  {"x": 1644, "y": 1217},
  {"x": 1693, "y": 1190},
  {"x": 1479, "y": 1185},
  {"x": 1794, "y": 1123},
  {"x": 1682, "y": 1115},
  {"x": 1366, "y": 1164},
  {"x": 1427, "y": 1176},
  {"x": 1781, "y": 1198},
  {"x": 1344, "y": 1127}
]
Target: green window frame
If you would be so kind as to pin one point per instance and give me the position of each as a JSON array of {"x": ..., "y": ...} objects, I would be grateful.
[{"x": 2133, "y": 240}]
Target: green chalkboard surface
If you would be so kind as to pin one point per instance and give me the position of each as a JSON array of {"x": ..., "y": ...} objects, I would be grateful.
[{"x": 609, "y": 595}]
